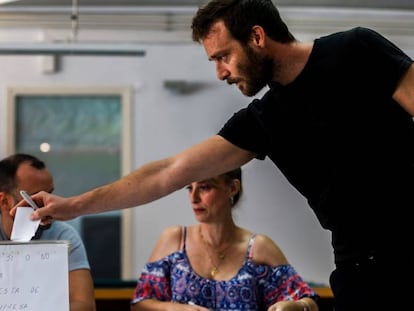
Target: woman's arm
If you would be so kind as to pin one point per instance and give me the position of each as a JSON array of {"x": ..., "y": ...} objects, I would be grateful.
[{"x": 267, "y": 252}]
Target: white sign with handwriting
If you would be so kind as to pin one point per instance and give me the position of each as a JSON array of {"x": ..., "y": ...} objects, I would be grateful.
[{"x": 34, "y": 276}]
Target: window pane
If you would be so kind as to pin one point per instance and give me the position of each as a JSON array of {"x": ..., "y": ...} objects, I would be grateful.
[{"x": 83, "y": 133}]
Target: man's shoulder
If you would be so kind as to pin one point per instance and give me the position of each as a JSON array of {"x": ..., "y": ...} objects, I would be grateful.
[
  {"x": 355, "y": 33},
  {"x": 59, "y": 231},
  {"x": 61, "y": 225}
]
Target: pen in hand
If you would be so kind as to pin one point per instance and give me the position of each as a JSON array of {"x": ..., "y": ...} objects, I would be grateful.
[{"x": 28, "y": 199}]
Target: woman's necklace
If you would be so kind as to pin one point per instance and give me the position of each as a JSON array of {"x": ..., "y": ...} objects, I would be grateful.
[{"x": 221, "y": 254}]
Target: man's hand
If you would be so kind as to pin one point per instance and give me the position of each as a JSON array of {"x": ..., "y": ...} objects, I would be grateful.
[{"x": 51, "y": 207}]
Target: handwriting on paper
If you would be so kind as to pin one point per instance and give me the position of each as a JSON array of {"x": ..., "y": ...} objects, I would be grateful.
[{"x": 34, "y": 276}]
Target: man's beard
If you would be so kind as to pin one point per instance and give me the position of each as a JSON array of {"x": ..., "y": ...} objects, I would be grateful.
[{"x": 257, "y": 71}]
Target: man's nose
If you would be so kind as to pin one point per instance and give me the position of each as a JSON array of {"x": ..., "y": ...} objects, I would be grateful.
[{"x": 222, "y": 72}]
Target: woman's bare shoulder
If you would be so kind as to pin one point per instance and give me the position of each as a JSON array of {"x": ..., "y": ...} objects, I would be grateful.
[
  {"x": 266, "y": 251},
  {"x": 168, "y": 242}
]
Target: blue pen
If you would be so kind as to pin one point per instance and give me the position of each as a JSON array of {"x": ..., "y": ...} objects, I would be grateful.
[{"x": 28, "y": 199}]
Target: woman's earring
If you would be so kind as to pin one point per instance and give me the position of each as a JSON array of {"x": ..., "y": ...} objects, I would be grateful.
[{"x": 232, "y": 201}]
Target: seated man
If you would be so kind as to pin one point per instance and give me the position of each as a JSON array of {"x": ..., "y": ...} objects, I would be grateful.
[{"x": 25, "y": 172}]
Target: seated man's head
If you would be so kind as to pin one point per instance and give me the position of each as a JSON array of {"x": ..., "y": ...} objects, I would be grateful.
[{"x": 20, "y": 172}]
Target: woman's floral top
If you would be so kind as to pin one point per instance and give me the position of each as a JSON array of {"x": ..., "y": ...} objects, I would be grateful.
[{"x": 255, "y": 287}]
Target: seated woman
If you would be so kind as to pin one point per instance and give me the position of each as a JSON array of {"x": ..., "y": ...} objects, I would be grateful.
[{"x": 217, "y": 265}]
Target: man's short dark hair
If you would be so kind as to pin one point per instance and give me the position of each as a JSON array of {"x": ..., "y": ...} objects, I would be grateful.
[
  {"x": 239, "y": 17},
  {"x": 9, "y": 167}
]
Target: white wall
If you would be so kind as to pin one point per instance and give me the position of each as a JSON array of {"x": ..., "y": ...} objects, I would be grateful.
[{"x": 165, "y": 122}]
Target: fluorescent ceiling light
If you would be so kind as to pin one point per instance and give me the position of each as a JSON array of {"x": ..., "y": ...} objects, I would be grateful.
[
  {"x": 71, "y": 48},
  {"x": 7, "y": 1}
]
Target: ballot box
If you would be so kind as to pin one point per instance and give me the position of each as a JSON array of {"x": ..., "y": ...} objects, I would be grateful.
[{"x": 34, "y": 276}]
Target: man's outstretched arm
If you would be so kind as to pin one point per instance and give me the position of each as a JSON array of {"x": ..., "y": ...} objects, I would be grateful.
[{"x": 148, "y": 183}]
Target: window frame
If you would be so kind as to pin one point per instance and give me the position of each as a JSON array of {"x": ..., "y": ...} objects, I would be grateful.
[{"x": 125, "y": 93}]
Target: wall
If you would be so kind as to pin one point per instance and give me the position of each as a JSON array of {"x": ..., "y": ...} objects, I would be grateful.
[{"x": 165, "y": 122}]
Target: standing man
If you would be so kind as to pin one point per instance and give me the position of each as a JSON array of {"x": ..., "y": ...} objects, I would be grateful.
[
  {"x": 338, "y": 122},
  {"x": 25, "y": 172}
]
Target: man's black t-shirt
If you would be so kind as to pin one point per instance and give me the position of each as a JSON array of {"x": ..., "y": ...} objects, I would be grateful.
[{"x": 341, "y": 140}]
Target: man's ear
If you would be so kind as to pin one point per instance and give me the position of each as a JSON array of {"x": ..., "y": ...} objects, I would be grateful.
[
  {"x": 258, "y": 35},
  {"x": 5, "y": 200}
]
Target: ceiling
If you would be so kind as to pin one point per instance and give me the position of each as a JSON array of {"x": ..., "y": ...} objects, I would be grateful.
[
  {"x": 165, "y": 16},
  {"x": 392, "y": 4},
  {"x": 161, "y": 15}
]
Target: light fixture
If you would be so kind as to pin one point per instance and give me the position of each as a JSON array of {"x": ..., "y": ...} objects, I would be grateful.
[
  {"x": 7, "y": 1},
  {"x": 183, "y": 87},
  {"x": 71, "y": 48}
]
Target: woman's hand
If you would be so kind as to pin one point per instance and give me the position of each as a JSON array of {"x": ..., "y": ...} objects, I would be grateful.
[
  {"x": 286, "y": 306},
  {"x": 304, "y": 304},
  {"x": 151, "y": 304}
]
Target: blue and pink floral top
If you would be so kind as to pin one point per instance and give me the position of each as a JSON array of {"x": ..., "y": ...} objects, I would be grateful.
[{"x": 255, "y": 287}]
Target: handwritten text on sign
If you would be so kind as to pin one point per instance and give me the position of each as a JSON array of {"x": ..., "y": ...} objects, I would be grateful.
[{"x": 34, "y": 276}]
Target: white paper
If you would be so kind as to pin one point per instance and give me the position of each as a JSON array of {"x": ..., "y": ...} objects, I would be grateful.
[
  {"x": 34, "y": 276},
  {"x": 24, "y": 228}
]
